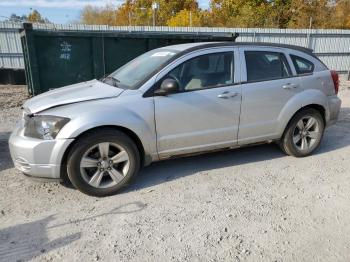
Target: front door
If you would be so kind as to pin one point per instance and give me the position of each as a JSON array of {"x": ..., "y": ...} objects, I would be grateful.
[{"x": 204, "y": 114}]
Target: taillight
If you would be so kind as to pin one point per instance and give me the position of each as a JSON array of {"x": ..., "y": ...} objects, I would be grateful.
[{"x": 335, "y": 78}]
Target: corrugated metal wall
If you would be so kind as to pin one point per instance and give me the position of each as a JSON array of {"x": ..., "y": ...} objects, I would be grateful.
[
  {"x": 10, "y": 46},
  {"x": 331, "y": 46}
]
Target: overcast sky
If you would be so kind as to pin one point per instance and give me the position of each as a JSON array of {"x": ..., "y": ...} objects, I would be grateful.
[{"x": 57, "y": 11}]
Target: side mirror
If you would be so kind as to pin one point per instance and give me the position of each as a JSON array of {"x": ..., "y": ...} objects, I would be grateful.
[{"x": 168, "y": 86}]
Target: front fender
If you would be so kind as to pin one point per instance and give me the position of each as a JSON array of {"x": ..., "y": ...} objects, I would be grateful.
[
  {"x": 298, "y": 101},
  {"x": 137, "y": 117}
]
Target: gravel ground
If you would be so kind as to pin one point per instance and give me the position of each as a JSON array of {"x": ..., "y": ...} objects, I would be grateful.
[
  {"x": 251, "y": 204},
  {"x": 11, "y": 99}
]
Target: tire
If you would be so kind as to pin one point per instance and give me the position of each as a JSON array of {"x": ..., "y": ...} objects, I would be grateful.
[
  {"x": 302, "y": 137},
  {"x": 102, "y": 162}
]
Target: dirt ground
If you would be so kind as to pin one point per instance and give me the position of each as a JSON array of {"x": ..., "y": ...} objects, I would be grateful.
[{"x": 251, "y": 204}]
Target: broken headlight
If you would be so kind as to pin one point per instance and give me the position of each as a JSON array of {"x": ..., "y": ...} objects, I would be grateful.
[{"x": 44, "y": 127}]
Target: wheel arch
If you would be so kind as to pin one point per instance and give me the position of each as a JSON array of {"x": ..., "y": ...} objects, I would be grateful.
[
  {"x": 143, "y": 157},
  {"x": 321, "y": 109}
]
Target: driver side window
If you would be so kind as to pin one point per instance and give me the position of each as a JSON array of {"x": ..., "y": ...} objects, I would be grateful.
[{"x": 205, "y": 71}]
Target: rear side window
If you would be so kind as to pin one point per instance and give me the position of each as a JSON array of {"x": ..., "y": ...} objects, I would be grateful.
[
  {"x": 262, "y": 66},
  {"x": 302, "y": 65}
]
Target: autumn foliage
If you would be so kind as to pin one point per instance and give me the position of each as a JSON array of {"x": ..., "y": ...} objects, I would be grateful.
[{"x": 225, "y": 13}]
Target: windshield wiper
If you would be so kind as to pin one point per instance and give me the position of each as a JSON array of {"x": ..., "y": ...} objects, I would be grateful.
[{"x": 110, "y": 81}]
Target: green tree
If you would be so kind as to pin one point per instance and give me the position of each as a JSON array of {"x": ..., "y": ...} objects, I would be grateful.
[
  {"x": 317, "y": 13},
  {"x": 185, "y": 18},
  {"x": 279, "y": 13},
  {"x": 342, "y": 14},
  {"x": 35, "y": 17},
  {"x": 138, "y": 12},
  {"x": 240, "y": 13},
  {"x": 224, "y": 13},
  {"x": 98, "y": 16}
]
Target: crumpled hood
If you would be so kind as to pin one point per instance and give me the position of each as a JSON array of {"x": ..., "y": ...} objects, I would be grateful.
[{"x": 90, "y": 90}]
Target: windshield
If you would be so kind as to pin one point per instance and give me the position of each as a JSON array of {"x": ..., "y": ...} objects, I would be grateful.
[{"x": 133, "y": 73}]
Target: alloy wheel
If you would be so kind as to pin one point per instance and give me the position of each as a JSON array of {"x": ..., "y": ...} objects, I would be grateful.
[
  {"x": 104, "y": 165},
  {"x": 306, "y": 133}
]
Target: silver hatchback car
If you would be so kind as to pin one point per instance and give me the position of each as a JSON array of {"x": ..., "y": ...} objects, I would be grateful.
[{"x": 173, "y": 101}]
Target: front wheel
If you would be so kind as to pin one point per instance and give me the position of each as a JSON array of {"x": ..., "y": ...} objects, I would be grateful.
[
  {"x": 102, "y": 162},
  {"x": 303, "y": 134}
]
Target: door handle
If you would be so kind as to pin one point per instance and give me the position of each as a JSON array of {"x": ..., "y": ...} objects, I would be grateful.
[
  {"x": 290, "y": 86},
  {"x": 227, "y": 94}
]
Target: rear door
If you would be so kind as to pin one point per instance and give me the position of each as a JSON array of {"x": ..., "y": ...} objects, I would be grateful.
[{"x": 268, "y": 83}]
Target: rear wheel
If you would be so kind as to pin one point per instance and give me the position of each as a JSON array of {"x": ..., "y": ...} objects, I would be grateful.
[
  {"x": 303, "y": 134},
  {"x": 103, "y": 162}
]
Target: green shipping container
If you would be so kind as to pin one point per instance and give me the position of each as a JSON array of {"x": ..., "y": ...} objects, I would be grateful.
[{"x": 58, "y": 58}]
